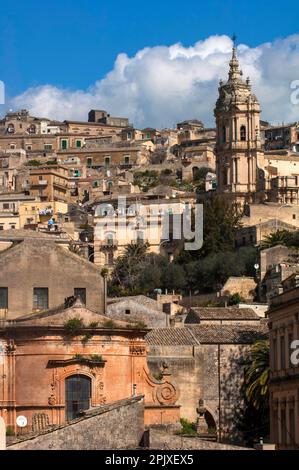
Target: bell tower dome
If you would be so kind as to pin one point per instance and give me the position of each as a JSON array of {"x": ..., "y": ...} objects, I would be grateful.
[{"x": 238, "y": 145}]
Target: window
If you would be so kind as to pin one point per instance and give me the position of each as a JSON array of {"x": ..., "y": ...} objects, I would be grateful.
[
  {"x": 12, "y": 146},
  {"x": 32, "y": 129},
  {"x": 10, "y": 128},
  {"x": 89, "y": 161},
  {"x": 127, "y": 311},
  {"x": 3, "y": 297},
  {"x": 148, "y": 135},
  {"x": 78, "y": 143},
  {"x": 5, "y": 206},
  {"x": 40, "y": 177},
  {"x": 109, "y": 239},
  {"x": 80, "y": 293},
  {"x": 294, "y": 216},
  {"x": 140, "y": 236},
  {"x": 28, "y": 147},
  {"x": 12, "y": 226},
  {"x": 64, "y": 144},
  {"x": 110, "y": 258},
  {"x": 127, "y": 159},
  {"x": 243, "y": 133},
  {"x": 224, "y": 134},
  {"x": 40, "y": 298},
  {"x": 107, "y": 161},
  {"x": 274, "y": 354},
  {"x": 48, "y": 146},
  {"x": 290, "y": 340},
  {"x": 1, "y": 227},
  {"x": 282, "y": 353}
]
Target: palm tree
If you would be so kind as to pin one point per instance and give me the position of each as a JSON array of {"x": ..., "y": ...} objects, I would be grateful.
[
  {"x": 256, "y": 374},
  {"x": 281, "y": 237}
]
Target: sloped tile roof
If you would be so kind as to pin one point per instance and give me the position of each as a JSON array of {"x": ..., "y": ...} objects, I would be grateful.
[
  {"x": 208, "y": 334},
  {"x": 217, "y": 313}
]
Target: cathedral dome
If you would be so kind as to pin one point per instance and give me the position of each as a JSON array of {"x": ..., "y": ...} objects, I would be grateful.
[{"x": 235, "y": 91}]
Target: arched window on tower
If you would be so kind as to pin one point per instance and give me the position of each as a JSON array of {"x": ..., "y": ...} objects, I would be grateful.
[
  {"x": 243, "y": 133},
  {"x": 224, "y": 134}
]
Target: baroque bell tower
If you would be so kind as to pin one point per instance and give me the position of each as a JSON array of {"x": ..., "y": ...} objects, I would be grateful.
[{"x": 238, "y": 147}]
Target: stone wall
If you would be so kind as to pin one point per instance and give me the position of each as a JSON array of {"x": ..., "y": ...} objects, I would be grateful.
[
  {"x": 209, "y": 372},
  {"x": 119, "y": 425},
  {"x": 133, "y": 311},
  {"x": 186, "y": 364},
  {"x": 159, "y": 439},
  {"x": 245, "y": 286}
]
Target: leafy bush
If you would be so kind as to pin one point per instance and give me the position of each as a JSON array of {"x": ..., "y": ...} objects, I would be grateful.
[
  {"x": 110, "y": 324},
  {"x": 33, "y": 163},
  {"x": 86, "y": 338},
  {"x": 9, "y": 431},
  {"x": 73, "y": 326},
  {"x": 187, "y": 427},
  {"x": 235, "y": 299},
  {"x": 78, "y": 356},
  {"x": 93, "y": 324},
  {"x": 96, "y": 357}
]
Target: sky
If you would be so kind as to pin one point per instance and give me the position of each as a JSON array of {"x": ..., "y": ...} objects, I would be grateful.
[{"x": 156, "y": 62}]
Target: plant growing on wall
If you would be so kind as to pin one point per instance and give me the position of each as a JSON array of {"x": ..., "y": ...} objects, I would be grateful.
[
  {"x": 73, "y": 326},
  {"x": 110, "y": 324}
]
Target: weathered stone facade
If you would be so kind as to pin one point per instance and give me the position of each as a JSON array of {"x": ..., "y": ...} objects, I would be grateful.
[
  {"x": 119, "y": 425},
  {"x": 205, "y": 362},
  {"x": 46, "y": 355},
  {"x": 34, "y": 264}
]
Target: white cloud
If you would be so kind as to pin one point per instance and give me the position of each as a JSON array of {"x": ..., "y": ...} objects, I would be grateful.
[{"x": 161, "y": 85}]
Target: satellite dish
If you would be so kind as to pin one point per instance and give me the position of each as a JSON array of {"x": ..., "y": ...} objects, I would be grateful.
[{"x": 21, "y": 421}]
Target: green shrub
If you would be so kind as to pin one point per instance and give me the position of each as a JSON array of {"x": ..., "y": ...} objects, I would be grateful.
[
  {"x": 78, "y": 356},
  {"x": 73, "y": 326},
  {"x": 93, "y": 324},
  {"x": 187, "y": 427},
  {"x": 96, "y": 357},
  {"x": 33, "y": 163},
  {"x": 9, "y": 431},
  {"x": 110, "y": 324},
  {"x": 86, "y": 338}
]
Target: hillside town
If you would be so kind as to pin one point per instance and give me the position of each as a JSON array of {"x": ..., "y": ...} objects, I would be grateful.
[{"x": 149, "y": 280}]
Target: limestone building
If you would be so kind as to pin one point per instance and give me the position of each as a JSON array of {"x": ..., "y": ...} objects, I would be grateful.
[
  {"x": 284, "y": 382},
  {"x": 37, "y": 274}
]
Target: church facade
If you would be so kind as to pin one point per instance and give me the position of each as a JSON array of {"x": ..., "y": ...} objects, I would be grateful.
[{"x": 58, "y": 362}]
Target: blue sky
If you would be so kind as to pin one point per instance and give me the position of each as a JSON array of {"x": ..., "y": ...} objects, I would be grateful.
[
  {"x": 60, "y": 58},
  {"x": 73, "y": 43}
]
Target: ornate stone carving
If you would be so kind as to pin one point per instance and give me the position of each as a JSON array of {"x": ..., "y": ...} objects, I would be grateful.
[
  {"x": 137, "y": 350},
  {"x": 52, "y": 400},
  {"x": 166, "y": 394},
  {"x": 201, "y": 425}
]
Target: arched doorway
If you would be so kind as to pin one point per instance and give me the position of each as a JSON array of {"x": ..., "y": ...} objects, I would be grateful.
[
  {"x": 211, "y": 423},
  {"x": 77, "y": 395}
]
